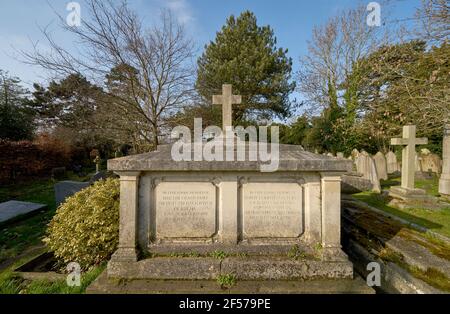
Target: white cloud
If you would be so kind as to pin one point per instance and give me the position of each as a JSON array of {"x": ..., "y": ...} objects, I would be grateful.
[{"x": 182, "y": 10}]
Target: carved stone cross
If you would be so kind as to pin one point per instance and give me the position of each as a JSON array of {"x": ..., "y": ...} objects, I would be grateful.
[
  {"x": 409, "y": 142},
  {"x": 227, "y": 100}
]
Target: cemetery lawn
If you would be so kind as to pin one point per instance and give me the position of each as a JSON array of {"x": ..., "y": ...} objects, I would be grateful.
[
  {"x": 13, "y": 284},
  {"x": 19, "y": 236},
  {"x": 435, "y": 220},
  {"x": 21, "y": 240}
]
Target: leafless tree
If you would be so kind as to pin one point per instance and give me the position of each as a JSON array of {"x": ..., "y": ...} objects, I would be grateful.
[
  {"x": 434, "y": 20},
  {"x": 113, "y": 35},
  {"x": 333, "y": 53}
]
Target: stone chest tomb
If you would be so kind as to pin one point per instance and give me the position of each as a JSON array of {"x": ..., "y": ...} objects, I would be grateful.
[{"x": 175, "y": 214}]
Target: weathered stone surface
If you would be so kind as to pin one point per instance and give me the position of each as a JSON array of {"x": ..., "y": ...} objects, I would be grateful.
[
  {"x": 444, "y": 181},
  {"x": 394, "y": 278},
  {"x": 185, "y": 209},
  {"x": 272, "y": 210},
  {"x": 340, "y": 155},
  {"x": 354, "y": 154},
  {"x": 12, "y": 209},
  {"x": 227, "y": 100},
  {"x": 367, "y": 232},
  {"x": 416, "y": 255},
  {"x": 407, "y": 194},
  {"x": 292, "y": 158},
  {"x": 366, "y": 166},
  {"x": 167, "y": 268},
  {"x": 244, "y": 268},
  {"x": 381, "y": 165},
  {"x": 331, "y": 213},
  {"x": 409, "y": 142},
  {"x": 283, "y": 268},
  {"x": 247, "y": 248},
  {"x": 164, "y": 201},
  {"x": 431, "y": 163},
  {"x": 355, "y": 183},
  {"x": 65, "y": 189},
  {"x": 417, "y": 162},
  {"x": 410, "y": 198},
  {"x": 392, "y": 163},
  {"x": 144, "y": 286}
]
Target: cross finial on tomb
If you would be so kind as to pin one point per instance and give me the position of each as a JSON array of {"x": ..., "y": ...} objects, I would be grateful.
[
  {"x": 409, "y": 142},
  {"x": 227, "y": 100}
]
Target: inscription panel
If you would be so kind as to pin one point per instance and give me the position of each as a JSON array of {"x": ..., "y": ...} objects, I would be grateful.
[
  {"x": 185, "y": 209},
  {"x": 272, "y": 210}
]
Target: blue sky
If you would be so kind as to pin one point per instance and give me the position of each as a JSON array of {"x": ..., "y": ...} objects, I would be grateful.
[{"x": 292, "y": 21}]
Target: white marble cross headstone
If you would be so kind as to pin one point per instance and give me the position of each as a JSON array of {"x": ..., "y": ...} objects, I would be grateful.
[
  {"x": 409, "y": 142},
  {"x": 227, "y": 100}
]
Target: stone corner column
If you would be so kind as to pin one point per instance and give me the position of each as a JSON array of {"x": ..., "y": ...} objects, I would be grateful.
[
  {"x": 331, "y": 215},
  {"x": 444, "y": 181},
  {"x": 129, "y": 195},
  {"x": 313, "y": 212},
  {"x": 228, "y": 210}
]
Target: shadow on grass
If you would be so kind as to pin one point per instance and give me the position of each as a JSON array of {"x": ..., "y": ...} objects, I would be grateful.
[{"x": 379, "y": 201}]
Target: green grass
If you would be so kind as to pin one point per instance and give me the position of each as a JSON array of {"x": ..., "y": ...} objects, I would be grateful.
[
  {"x": 296, "y": 253},
  {"x": 10, "y": 284},
  {"x": 16, "y": 237},
  {"x": 435, "y": 220},
  {"x": 226, "y": 281},
  {"x": 219, "y": 255},
  {"x": 431, "y": 186}
]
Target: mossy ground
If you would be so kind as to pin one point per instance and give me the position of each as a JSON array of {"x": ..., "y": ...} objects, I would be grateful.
[
  {"x": 432, "y": 219},
  {"x": 16, "y": 237},
  {"x": 431, "y": 276},
  {"x": 372, "y": 230},
  {"x": 10, "y": 283},
  {"x": 20, "y": 237}
]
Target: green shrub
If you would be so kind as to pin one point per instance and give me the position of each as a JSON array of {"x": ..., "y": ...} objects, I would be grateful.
[{"x": 85, "y": 228}]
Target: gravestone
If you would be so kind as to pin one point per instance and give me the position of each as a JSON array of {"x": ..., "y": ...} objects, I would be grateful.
[
  {"x": 407, "y": 195},
  {"x": 65, "y": 189},
  {"x": 354, "y": 154},
  {"x": 417, "y": 162},
  {"x": 340, "y": 155},
  {"x": 170, "y": 207},
  {"x": 354, "y": 182},
  {"x": 444, "y": 181},
  {"x": 381, "y": 165},
  {"x": 14, "y": 209},
  {"x": 392, "y": 163},
  {"x": 431, "y": 163},
  {"x": 365, "y": 165}
]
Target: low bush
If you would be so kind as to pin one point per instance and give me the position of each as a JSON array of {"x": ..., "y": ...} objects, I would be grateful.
[{"x": 85, "y": 229}]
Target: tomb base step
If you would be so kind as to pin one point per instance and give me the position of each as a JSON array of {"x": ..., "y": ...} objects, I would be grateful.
[
  {"x": 242, "y": 268},
  {"x": 412, "y": 198},
  {"x": 248, "y": 248},
  {"x": 147, "y": 286}
]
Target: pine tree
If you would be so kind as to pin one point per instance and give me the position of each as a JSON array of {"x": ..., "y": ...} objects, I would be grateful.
[
  {"x": 16, "y": 120},
  {"x": 245, "y": 55}
]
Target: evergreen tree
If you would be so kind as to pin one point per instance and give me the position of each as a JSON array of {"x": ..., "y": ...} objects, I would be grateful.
[
  {"x": 245, "y": 55},
  {"x": 16, "y": 120}
]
